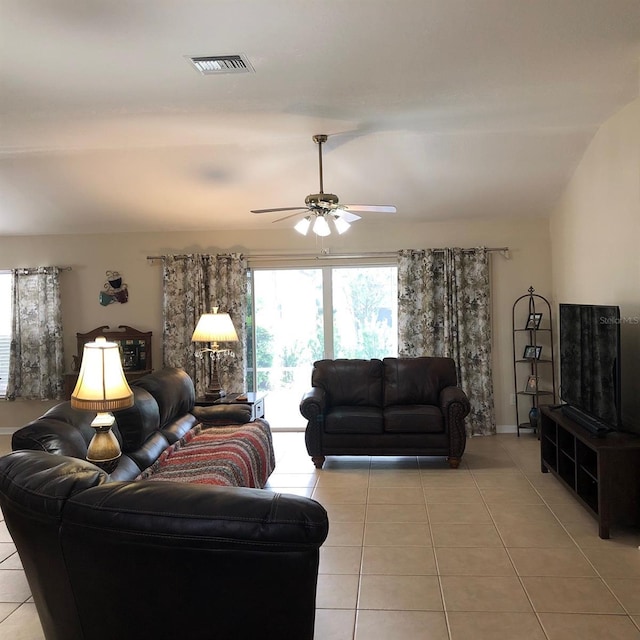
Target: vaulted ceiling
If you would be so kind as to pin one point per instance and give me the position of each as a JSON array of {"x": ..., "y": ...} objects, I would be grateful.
[{"x": 449, "y": 109}]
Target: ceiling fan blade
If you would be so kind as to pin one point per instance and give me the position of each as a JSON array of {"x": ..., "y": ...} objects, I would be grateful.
[
  {"x": 279, "y": 209},
  {"x": 293, "y": 215},
  {"x": 369, "y": 208}
]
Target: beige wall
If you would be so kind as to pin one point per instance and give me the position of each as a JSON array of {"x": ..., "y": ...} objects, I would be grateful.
[
  {"x": 91, "y": 256},
  {"x": 592, "y": 246},
  {"x": 595, "y": 238}
]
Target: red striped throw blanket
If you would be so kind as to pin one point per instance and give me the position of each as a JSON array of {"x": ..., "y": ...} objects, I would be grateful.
[{"x": 234, "y": 455}]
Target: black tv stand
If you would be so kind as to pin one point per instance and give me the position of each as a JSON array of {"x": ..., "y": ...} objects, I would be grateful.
[
  {"x": 602, "y": 472},
  {"x": 591, "y": 424}
]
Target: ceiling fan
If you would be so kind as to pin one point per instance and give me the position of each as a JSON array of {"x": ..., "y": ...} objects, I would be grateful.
[{"x": 323, "y": 206}]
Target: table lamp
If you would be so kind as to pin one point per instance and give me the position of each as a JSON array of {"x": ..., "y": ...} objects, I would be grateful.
[
  {"x": 214, "y": 328},
  {"x": 102, "y": 387}
]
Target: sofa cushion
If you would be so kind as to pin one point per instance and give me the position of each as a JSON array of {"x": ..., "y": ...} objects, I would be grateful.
[
  {"x": 417, "y": 380},
  {"x": 354, "y": 420},
  {"x": 349, "y": 382},
  {"x": 413, "y": 418}
]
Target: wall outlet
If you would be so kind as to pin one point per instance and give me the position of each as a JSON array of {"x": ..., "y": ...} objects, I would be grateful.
[{"x": 512, "y": 399}]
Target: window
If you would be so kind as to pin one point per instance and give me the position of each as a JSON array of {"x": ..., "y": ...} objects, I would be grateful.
[
  {"x": 365, "y": 310},
  {"x": 5, "y": 329}
]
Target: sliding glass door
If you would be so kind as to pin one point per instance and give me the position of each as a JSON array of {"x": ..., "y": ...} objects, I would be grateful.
[
  {"x": 302, "y": 315},
  {"x": 289, "y": 336}
]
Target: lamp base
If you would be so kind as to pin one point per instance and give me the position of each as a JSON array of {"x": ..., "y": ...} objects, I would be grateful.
[
  {"x": 108, "y": 466},
  {"x": 214, "y": 394},
  {"x": 104, "y": 448}
]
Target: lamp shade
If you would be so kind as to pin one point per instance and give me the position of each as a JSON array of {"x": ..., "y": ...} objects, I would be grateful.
[
  {"x": 102, "y": 385},
  {"x": 214, "y": 327}
]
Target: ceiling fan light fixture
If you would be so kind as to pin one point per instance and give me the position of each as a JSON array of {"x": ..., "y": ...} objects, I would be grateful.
[
  {"x": 303, "y": 225},
  {"x": 341, "y": 225},
  {"x": 321, "y": 227}
]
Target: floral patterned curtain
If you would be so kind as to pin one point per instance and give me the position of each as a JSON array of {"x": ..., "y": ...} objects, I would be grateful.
[
  {"x": 193, "y": 285},
  {"x": 36, "y": 357},
  {"x": 444, "y": 309}
]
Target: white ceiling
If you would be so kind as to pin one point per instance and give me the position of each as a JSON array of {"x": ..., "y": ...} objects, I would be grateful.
[{"x": 446, "y": 108}]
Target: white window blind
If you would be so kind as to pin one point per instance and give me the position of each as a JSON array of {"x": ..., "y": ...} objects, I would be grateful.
[{"x": 5, "y": 329}]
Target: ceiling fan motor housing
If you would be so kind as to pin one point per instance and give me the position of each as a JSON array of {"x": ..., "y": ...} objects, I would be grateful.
[{"x": 324, "y": 200}]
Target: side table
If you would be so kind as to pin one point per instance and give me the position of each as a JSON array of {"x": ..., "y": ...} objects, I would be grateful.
[{"x": 254, "y": 400}]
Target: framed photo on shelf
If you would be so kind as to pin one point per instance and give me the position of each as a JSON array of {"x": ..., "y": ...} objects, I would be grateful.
[
  {"x": 130, "y": 354},
  {"x": 534, "y": 321},
  {"x": 532, "y": 351},
  {"x": 532, "y": 385}
]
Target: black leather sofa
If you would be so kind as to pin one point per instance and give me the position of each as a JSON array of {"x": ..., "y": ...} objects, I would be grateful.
[
  {"x": 395, "y": 406},
  {"x": 110, "y": 557},
  {"x": 162, "y": 413}
]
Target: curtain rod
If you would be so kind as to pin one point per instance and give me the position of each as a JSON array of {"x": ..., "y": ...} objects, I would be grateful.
[
  {"x": 328, "y": 256},
  {"x": 35, "y": 269}
]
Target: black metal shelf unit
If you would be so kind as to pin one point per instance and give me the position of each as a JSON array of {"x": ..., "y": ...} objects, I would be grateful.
[{"x": 534, "y": 372}]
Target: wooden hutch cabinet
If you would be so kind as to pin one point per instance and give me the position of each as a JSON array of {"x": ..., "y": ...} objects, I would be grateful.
[{"x": 135, "y": 350}]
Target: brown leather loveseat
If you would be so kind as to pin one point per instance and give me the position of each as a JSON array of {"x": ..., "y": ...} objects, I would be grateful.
[{"x": 395, "y": 406}]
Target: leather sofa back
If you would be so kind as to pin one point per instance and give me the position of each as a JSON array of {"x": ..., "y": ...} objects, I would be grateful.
[
  {"x": 383, "y": 383},
  {"x": 61, "y": 430},
  {"x": 417, "y": 380},
  {"x": 172, "y": 389},
  {"x": 349, "y": 382},
  {"x": 159, "y": 417},
  {"x": 137, "y": 423}
]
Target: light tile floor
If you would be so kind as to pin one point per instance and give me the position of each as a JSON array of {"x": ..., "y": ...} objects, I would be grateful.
[{"x": 418, "y": 551}]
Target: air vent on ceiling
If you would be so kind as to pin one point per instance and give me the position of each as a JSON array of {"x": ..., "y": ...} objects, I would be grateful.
[{"x": 207, "y": 65}]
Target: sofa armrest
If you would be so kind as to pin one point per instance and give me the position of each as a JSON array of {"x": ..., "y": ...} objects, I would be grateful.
[
  {"x": 222, "y": 414},
  {"x": 455, "y": 406},
  {"x": 313, "y": 403},
  {"x": 451, "y": 395}
]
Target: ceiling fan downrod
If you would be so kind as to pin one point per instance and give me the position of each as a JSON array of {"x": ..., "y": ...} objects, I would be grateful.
[{"x": 319, "y": 139}]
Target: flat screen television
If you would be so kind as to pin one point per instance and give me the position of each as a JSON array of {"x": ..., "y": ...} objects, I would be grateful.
[{"x": 590, "y": 361}]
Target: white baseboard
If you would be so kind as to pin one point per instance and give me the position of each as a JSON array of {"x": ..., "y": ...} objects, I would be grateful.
[
  {"x": 506, "y": 428},
  {"x": 7, "y": 431}
]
